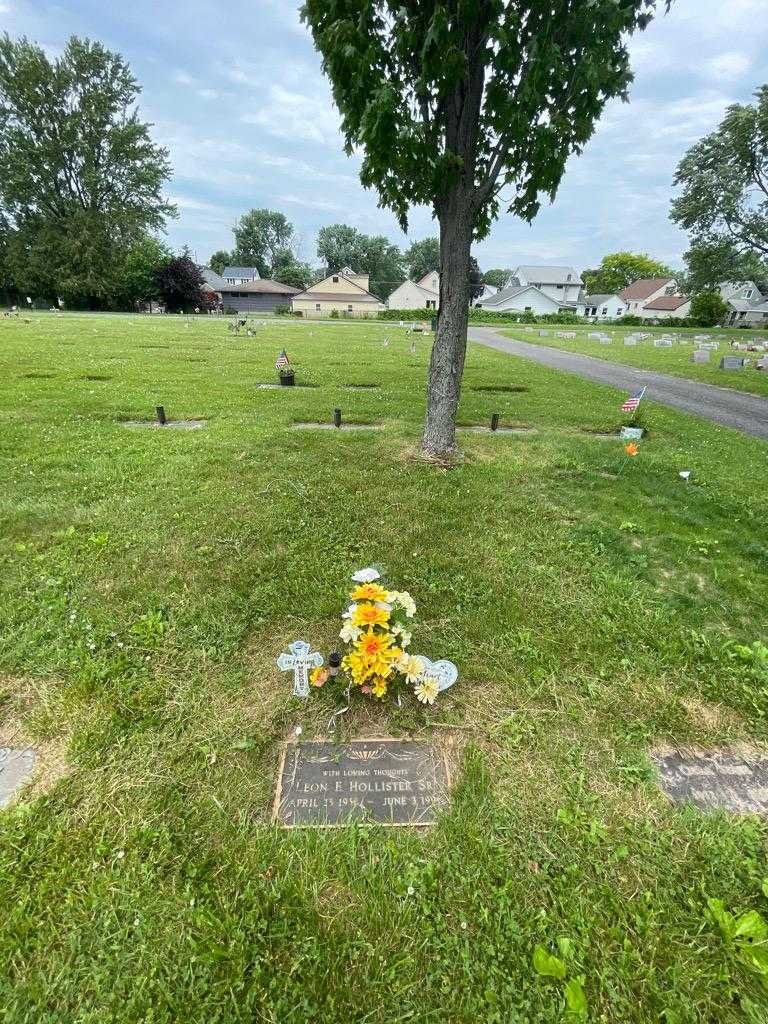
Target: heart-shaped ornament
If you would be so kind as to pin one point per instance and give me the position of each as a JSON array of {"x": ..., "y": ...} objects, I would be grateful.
[{"x": 444, "y": 671}]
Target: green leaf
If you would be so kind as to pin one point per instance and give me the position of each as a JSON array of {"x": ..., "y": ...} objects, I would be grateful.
[
  {"x": 764, "y": 887},
  {"x": 565, "y": 945},
  {"x": 751, "y": 925},
  {"x": 548, "y": 965},
  {"x": 725, "y": 921},
  {"x": 575, "y": 998}
]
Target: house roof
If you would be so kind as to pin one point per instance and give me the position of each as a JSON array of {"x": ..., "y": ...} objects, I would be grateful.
[
  {"x": 251, "y": 272},
  {"x": 430, "y": 294},
  {"x": 212, "y": 279},
  {"x": 512, "y": 291},
  {"x": 551, "y": 275},
  {"x": 597, "y": 300},
  {"x": 361, "y": 296},
  {"x": 667, "y": 302},
  {"x": 643, "y": 288},
  {"x": 748, "y": 305},
  {"x": 261, "y": 287}
]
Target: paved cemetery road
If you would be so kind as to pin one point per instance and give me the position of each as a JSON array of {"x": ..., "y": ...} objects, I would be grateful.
[{"x": 736, "y": 409}]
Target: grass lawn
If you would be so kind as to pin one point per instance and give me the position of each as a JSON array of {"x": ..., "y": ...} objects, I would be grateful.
[
  {"x": 149, "y": 579},
  {"x": 675, "y": 361}
]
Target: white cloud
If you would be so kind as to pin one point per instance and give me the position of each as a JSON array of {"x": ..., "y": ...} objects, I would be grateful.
[
  {"x": 729, "y": 65},
  {"x": 182, "y": 78},
  {"x": 208, "y": 94},
  {"x": 294, "y": 115},
  {"x": 312, "y": 203}
]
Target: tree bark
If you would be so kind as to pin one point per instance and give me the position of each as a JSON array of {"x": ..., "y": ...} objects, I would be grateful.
[{"x": 447, "y": 362}]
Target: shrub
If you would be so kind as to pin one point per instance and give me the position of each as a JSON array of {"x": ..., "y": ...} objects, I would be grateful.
[
  {"x": 297, "y": 312},
  {"x": 334, "y": 314},
  {"x": 282, "y": 311}
]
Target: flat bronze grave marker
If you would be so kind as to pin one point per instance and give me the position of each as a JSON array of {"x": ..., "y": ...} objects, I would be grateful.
[
  {"x": 386, "y": 781},
  {"x": 715, "y": 780}
]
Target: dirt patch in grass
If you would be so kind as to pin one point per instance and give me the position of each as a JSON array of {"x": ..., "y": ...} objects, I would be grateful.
[
  {"x": 95, "y": 376},
  {"x": 712, "y": 718},
  {"x": 38, "y": 376},
  {"x": 22, "y": 710},
  {"x": 169, "y": 424},
  {"x": 500, "y": 389},
  {"x": 345, "y": 425}
]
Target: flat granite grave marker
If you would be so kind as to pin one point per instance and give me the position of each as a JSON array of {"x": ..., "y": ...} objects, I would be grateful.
[
  {"x": 16, "y": 767},
  {"x": 700, "y": 356},
  {"x": 387, "y": 781},
  {"x": 715, "y": 780}
]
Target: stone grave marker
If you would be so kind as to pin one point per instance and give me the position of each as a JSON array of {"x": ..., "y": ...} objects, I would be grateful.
[
  {"x": 663, "y": 343},
  {"x": 387, "y": 781},
  {"x": 732, "y": 363},
  {"x": 715, "y": 779},
  {"x": 543, "y": 334},
  {"x": 16, "y": 767},
  {"x": 700, "y": 356}
]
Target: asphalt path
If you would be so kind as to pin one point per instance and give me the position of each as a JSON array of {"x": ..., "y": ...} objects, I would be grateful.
[{"x": 735, "y": 409}]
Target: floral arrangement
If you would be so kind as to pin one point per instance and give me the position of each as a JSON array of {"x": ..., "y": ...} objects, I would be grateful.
[{"x": 377, "y": 634}]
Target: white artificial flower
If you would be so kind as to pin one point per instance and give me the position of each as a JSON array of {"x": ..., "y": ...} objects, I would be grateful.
[
  {"x": 366, "y": 575},
  {"x": 406, "y": 602},
  {"x": 384, "y": 605},
  {"x": 427, "y": 690},
  {"x": 405, "y": 637},
  {"x": 349, "y": 633},
  {"x": 349, "y": 612},
  {"x": 411, "y": 667}
]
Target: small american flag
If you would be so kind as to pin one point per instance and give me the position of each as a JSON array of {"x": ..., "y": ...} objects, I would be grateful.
[
  {"x": 633, "y": 401},
  {"x": 282, "y": 361}
]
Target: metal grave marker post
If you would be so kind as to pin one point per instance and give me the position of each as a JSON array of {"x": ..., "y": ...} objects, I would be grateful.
[{"x": 300, "y": 658}]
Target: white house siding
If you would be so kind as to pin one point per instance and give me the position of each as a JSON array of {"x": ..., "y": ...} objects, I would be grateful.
[
  {"x": 611, "y": 309},
  {"x": 529, "y": 300},
  {"x": 409, "y": 296}
]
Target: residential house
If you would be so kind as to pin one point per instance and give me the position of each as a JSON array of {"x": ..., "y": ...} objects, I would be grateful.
[
  {"x": 344, "y": 292},
  {"x": 240, "y": 275},
  {"x": 257, "y": 296},
  {"x": 666, "y": 306},
  {"x": 562, "y": 284},
  {"x": 648, "y": 289},
  {"x": 212, "y": 285},
  {"x": 485, "y": 294},
  {"x": 746, "y": 304},
  {"x": 421, "y": 294},
  {"x": 604, "y": 307},
  {"x": 520, "y": 299}
]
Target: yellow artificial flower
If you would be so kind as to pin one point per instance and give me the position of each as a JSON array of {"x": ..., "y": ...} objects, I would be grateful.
[
  {"x": 369, "y": 592},
  {"x": 319, "y": 676},
  {"x": 379, "y": 686},
  {"x": 427, "y": 690},
  {"x": 366, "y": 614}
]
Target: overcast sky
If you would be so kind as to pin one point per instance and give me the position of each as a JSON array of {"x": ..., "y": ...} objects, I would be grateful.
[{"x": 236, "y": 93}]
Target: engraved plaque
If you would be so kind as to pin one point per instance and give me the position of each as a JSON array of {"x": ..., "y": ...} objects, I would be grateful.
[{"x": 387, "y": 781}]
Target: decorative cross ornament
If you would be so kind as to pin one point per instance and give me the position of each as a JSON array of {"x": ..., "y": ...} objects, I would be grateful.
[{"x": 300, "y": 660}]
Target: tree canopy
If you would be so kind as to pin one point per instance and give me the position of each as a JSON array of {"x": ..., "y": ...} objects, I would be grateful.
[
  {"x": 724, "y": 180},
  {"x": 450, "y": 101},
  {"x": 619, "y": 270},
  {"x": 339, "y": 245},
  {"x": 422, "y": 257},
  {"x": 497, "y": 278},
  {"x": 220, "y": 259},
  {"x": 180, "y": 284},
  {"x": 80, "y": 178},
  {"x": 710, "y": 264},
  {"x": 709, "y": 308},
  {"x": 261, "y": 240}
]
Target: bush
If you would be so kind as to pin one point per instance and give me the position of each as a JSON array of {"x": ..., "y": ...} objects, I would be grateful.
[
  {"x": 282, "y": 311},
  {"x": 334, "y": 314},
  {"x": 632, "y": 321},
  {"x": 296, "y": 312}
]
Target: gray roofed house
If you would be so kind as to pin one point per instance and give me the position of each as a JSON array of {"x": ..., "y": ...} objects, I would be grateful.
[
  {"x": 522, "y": 299},
  {"x": 548, "y": 275},
  {"x": 259, "y": 296},
  {"x": 212, "y": 279},
  {"x": 240, "y": 275}
]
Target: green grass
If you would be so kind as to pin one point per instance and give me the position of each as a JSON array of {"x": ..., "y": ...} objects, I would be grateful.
[
  {"x": 149, "y": 579},
  {"x": 675, "y": 361}
]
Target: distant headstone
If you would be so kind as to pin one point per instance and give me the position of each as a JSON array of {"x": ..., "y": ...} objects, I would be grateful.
[
  {"x": 543, "y": 334},
  {"x": 732, "y": 363},
  {"x": 387, "y": 781},
  {"x": 710, "y": 346},
  {"x": 630, "y": 341},
  {"x": 663, "y": 343},
  {"x": 762, "y": 364},
  {"x": 16, "y": 767},
  {"x": 700, "y": 356},
  {"x": 715, "y": 780}
]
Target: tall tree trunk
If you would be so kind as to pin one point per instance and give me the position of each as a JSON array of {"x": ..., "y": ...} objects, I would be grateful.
[{"x": 447, "y": 362}]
